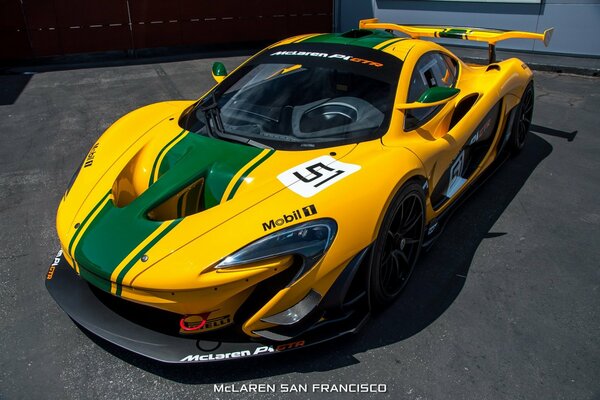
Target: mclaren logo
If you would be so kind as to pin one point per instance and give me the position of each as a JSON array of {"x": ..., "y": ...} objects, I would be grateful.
[
  {"x": 243, "y": 353},
  {"x": 327, "y": 55},
  {"x": 287, "y": 218}
]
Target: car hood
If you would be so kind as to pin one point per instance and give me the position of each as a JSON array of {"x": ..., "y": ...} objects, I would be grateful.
[{"x": 171, "y": 179}]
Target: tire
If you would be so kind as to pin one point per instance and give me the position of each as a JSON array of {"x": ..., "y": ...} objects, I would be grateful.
[
  {"x": 397, "y": 246},
  {"x": 522, "y": 121}
]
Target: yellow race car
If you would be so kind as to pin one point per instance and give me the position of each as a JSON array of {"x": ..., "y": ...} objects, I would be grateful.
[{"x": 290, "y": 201}]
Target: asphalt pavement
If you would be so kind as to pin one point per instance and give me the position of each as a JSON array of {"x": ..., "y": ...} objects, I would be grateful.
[{"x": 506, "y": 305}]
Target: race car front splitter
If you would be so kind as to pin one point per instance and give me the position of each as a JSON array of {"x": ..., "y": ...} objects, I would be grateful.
[{"x": 86, "y": 307}]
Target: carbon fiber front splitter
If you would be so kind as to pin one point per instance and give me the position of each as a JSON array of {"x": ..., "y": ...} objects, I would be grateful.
[{"x": 86, "y": 307}]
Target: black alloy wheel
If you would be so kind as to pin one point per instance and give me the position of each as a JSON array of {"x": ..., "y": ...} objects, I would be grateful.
[
  {"x": 523, "y": 117},
  {"x": 398, "y": 245}
]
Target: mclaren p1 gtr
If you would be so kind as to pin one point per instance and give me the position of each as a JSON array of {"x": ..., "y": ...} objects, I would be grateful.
[{"x": 291, "y": 200}]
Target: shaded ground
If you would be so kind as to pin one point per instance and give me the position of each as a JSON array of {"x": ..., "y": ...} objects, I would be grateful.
[{"x": 506, "y": 304}]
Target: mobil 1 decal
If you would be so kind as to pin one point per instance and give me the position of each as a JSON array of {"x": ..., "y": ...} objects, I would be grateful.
[
  {"x": 311, "y": 177},
  {"x": 291, "y": 216}
]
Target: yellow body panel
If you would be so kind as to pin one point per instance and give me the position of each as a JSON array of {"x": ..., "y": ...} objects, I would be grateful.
[{"x": 175, "y": 271}]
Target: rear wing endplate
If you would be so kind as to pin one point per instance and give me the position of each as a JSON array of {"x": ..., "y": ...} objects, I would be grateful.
[{"x": 491, "y": 36}]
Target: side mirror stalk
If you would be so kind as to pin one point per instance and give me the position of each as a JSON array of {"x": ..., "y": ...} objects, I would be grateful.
[{"x": 432, "y": 97}]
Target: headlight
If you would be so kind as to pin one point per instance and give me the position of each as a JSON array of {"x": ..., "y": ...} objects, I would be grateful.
[{"x": 310, "y": 240}]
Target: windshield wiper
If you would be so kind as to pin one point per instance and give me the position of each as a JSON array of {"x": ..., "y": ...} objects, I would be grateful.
[
  {"x": 241, "y": 139},
  {"x": 214, "y": 123},
  {"x": 212, "y": 113}
]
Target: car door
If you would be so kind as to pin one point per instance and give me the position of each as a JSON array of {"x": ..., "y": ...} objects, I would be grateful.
[
  {"x": 439, "y": 149},
  {"x": 451, "y": 156}
]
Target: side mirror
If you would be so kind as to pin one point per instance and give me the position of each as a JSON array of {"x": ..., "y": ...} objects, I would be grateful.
[
  {"x": 219, "y": 72},
  {"x": 432, "y": 97}
]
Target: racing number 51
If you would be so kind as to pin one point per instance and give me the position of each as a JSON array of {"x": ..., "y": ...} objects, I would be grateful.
[
  {"x": 315, "y": 171},
  {"x": 310, "y": 177}
]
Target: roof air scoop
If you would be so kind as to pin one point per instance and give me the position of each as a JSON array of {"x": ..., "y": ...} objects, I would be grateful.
[{"x": 357, "y": 33}]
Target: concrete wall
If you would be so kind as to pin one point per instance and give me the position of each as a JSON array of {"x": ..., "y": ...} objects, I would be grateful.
[{"x": 576, "y": 22}]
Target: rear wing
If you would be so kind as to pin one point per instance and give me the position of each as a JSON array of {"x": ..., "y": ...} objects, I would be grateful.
[{"x": 491, "y": 36}]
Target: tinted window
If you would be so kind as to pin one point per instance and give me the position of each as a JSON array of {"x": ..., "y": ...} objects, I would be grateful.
[
  {"x": 303, "y": 96},
  {"x": 433, "y": 69}
]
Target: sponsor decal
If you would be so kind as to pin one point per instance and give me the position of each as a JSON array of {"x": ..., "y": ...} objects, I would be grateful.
[
  {"x": 301, "y": 53},
  {"x": 215, "y": 323},
  {"x": 55, "y": 263},
  {"x": 242, "y": 353},
  {"x": 344, "y": 57},
  {"x": 432, "y": 228},
  {"x": 311, "y": 177},
  {"x": 487, "y": 125},
  {"x": 457, "y": 168},
  {"x": 57, "y": 258},
  {"x": 474, "y": 138},
  {"x": 287, "y": 218},
  {"x": 218, "y": 356},
  {"x": 89, "y": 160}
]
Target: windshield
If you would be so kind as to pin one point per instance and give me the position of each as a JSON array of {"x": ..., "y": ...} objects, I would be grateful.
[{"x": 301, "y": 96}]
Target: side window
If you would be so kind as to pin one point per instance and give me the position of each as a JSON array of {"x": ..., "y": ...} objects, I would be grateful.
[{"x": 433, "y": 69}]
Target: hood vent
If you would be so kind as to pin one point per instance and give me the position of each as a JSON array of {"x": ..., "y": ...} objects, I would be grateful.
[
  {"x": 187, "y": 175},
  {"x": 186, "y": 202},
  {"x": 129, "y": 185}
]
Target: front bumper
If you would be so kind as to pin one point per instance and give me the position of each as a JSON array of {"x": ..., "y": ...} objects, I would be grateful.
[{"x": 100, "y": 314}]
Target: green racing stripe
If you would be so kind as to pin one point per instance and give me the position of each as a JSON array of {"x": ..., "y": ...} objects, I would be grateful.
[
  {"x": 153, "y": 171},
  {"x": 115, "y": 232},
  {"x": 247, "y": 172},
  {"x": 391, "y": 43},
  {"x": 143, "y": 251},
  {"x": 82, "y": 223}
]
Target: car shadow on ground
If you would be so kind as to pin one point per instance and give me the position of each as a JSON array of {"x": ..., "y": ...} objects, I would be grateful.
[
  {"x": 436, "y": 283},
  {"x": 11, "y": 87}
]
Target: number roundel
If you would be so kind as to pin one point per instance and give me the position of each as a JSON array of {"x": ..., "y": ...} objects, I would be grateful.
[{"x": 311, "y": 177}]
